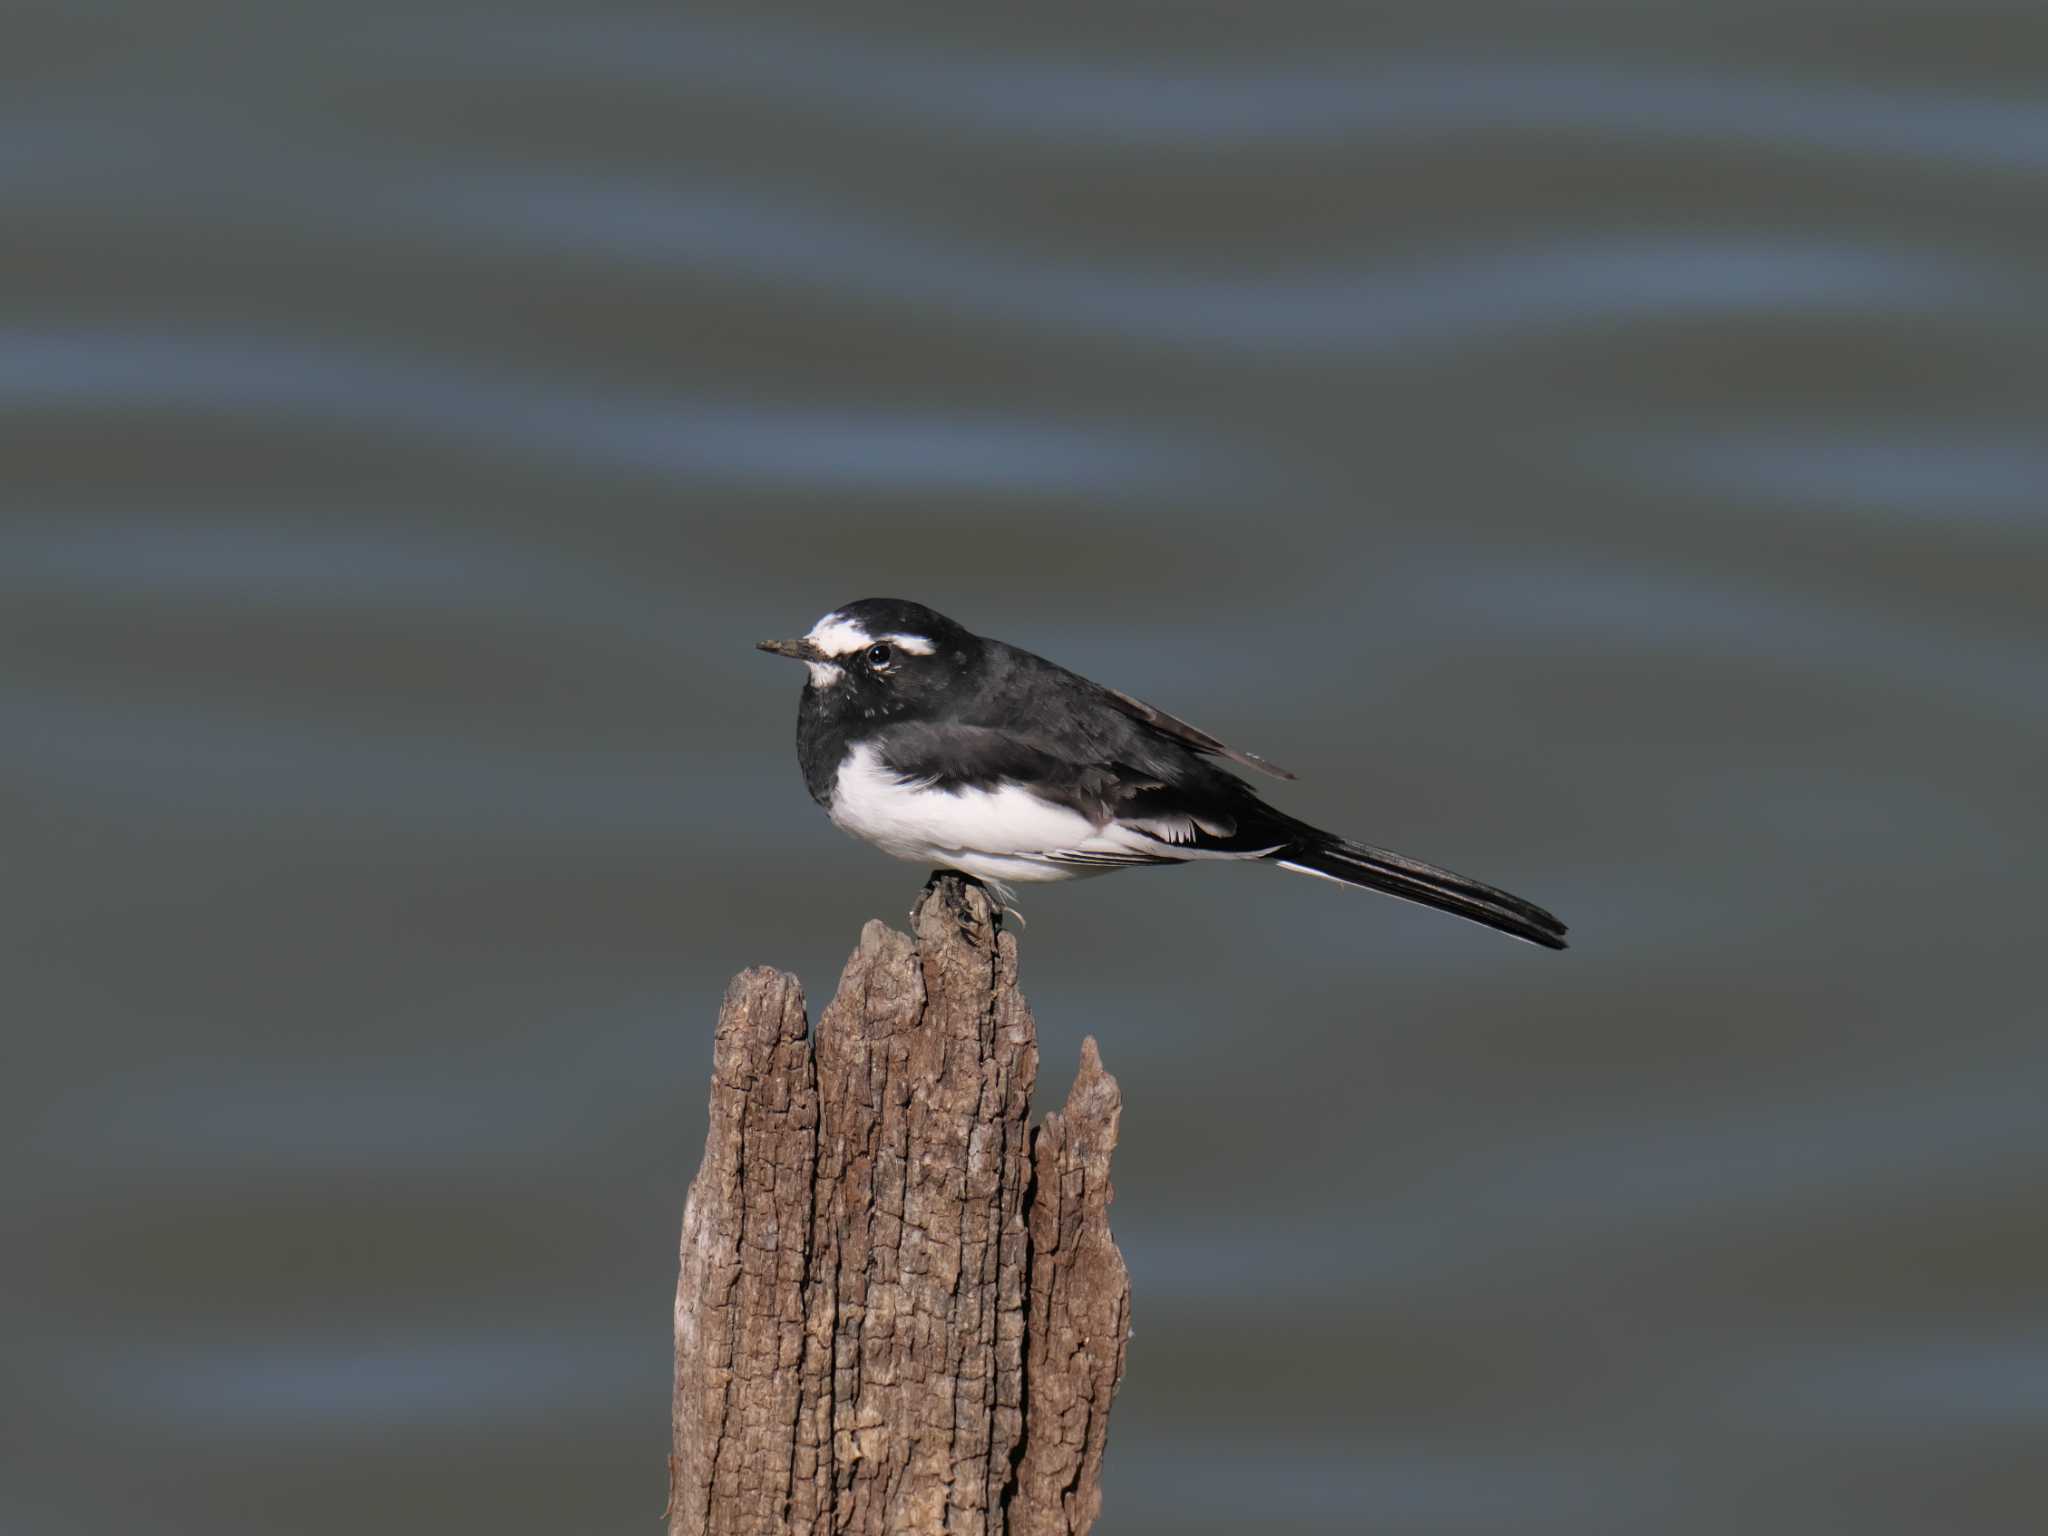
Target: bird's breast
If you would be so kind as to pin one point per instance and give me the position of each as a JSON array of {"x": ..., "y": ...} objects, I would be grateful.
[{"x": 913, "y": 820}]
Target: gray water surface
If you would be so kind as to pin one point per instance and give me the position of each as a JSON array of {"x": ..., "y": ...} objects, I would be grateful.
[{"x": 1598, "y": 448}]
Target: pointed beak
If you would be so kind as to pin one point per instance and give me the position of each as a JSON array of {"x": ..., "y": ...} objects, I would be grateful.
[{"x": 795, "y": 650}]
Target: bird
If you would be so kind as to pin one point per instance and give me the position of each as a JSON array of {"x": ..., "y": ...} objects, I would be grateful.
[{"x": 948, "y": 748}]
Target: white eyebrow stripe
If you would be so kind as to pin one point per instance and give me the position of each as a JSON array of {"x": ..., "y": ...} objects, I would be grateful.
[
  {"x": 839, "y": 637},
  {"x": 836, "y": 636}
]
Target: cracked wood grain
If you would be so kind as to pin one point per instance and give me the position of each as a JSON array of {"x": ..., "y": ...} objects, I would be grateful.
[{"x": 899, "y": 1309}]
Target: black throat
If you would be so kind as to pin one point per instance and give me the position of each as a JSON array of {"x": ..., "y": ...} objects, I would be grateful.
[{"x": 823, "y": 735}]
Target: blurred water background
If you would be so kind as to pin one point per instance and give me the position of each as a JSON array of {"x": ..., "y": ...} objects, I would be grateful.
[{"x": 1599, "y": 448}]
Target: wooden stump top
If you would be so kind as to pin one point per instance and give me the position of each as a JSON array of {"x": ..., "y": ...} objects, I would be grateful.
[{"x": 900, "y": 1308}]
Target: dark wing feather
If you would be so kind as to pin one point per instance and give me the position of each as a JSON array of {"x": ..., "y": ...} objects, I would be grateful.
[
  {"x": 1177, "y": 729},
  {"x": 955, "y": 757},
  {"x": 1194, "y": 805},
  {"x": 1076, "y": 718}
]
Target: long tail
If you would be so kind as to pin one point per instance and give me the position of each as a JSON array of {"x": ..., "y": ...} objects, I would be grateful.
[{"x": 1375, "y": 869}]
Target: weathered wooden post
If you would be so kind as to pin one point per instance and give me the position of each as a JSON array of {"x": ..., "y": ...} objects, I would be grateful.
[{"x": 900, "y": 1309}]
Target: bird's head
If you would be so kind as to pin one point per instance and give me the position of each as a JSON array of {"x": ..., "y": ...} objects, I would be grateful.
[{"x": 882, "y": 657}]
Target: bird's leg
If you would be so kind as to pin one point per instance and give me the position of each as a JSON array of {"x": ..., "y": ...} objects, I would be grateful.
[{"x": 997, "y": 893}]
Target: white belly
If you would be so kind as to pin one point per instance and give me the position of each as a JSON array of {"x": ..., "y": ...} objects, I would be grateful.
[{"x": 993, "y": 834}]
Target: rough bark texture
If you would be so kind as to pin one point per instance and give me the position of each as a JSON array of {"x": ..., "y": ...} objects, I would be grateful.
[{"x": 900, "y": 1310}]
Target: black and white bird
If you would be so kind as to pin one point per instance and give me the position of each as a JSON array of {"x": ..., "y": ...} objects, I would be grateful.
[{"x": 949, "y": 749}]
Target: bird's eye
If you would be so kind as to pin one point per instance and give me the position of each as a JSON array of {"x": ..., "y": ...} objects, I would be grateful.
[{"x": 879, "y": 655}]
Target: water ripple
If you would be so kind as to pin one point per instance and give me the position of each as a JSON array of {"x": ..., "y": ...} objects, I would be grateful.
[
  {"x": 501, "y": 414},
  {"x": 1046, "y": 101},
  {"x": 1914, "y": 473},
  {"x": 311, "y": 1384},
  {"x": 1502, "y": 295}
]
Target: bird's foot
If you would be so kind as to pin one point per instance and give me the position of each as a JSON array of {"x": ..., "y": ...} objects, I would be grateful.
[{"x": 998, "y": 894}]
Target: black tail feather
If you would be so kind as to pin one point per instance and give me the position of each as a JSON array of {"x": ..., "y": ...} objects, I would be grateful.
[{"x": 1375, "y": 869}]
